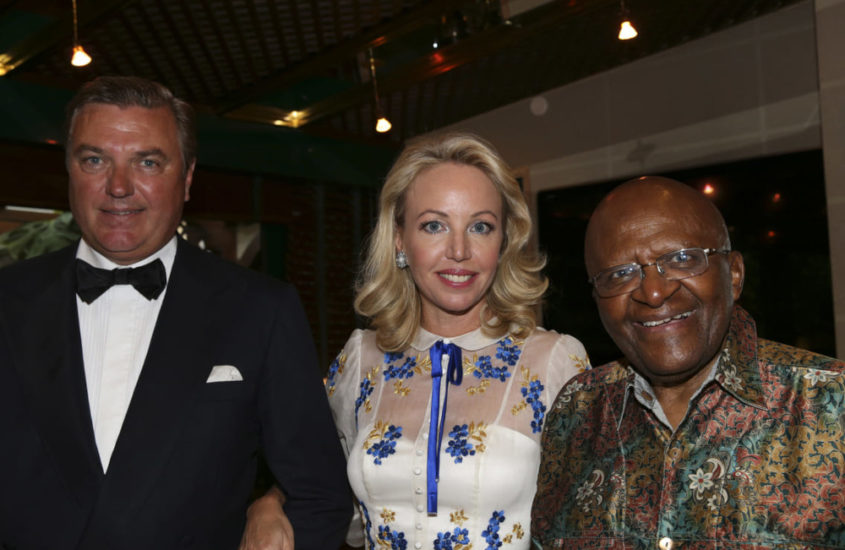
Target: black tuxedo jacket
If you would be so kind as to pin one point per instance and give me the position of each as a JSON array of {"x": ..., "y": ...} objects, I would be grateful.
[{"x": 184, "y": 464}]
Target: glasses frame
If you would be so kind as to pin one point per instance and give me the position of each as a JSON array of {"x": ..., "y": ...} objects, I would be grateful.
[{"x": 657, "y": 263}]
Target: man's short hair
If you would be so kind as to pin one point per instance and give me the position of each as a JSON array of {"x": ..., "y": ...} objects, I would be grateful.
[{"x": 133, "y": 91}]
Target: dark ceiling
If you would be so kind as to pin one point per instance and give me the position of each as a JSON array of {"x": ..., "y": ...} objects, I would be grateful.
[{"x": 306, "y": 64}]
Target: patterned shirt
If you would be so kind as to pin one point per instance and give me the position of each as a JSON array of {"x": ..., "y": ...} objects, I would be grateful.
[
  {"x": 490, "y": 446},
  {"x": 757, "y": 463}
]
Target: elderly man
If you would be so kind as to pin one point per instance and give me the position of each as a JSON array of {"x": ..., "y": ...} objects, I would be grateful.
[
  {"x": 139, "y": 376},
  {"x": 704, "y": 436}
]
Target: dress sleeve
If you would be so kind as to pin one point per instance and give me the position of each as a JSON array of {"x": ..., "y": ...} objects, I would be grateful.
[
  {"x": 342, "y": 385},
  {"x": 566, "y": 359}
]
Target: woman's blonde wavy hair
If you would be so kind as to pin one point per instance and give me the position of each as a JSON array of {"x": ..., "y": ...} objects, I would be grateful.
[{"x": 387, "y": 295}]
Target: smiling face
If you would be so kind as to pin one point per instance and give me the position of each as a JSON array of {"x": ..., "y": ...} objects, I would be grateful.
[
  {"x": 452, "y": 234},
  {"x": 127, "y": 189},
  {"x": 669, "y": 330}
]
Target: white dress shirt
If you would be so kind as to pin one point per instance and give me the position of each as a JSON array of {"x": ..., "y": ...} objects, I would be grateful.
[{"x": 116, "y": 330}]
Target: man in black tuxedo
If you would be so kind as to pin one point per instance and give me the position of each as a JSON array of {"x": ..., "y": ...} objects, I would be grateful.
[{"x": 134, "y": 402}]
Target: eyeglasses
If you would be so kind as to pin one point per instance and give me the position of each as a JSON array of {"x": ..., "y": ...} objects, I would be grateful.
[{"x": 674, "y": 266}]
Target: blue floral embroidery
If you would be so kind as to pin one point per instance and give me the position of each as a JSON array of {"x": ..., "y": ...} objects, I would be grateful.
[
  {"x": 445, "y": 541},
  {"x": 391, "y": 356},
  {"x": 459, "y": 446},
  {"x": 532, "y": 397},
  {"x": 368, "y": 525},
  {"x": 395, "y": 538},
  {"x": 484, "y": 369},
  {"x": 507, "y": 351},
  {"x": 491, "y": 534},
  {"x": 366, "y": 389},
  {"x": 403, "y": 371},
  {"x": 387, "y": 445},
  {"x": 334, "y": 370}
]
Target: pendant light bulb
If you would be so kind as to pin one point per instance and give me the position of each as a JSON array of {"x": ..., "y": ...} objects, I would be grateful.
[
  {"x": 627, "y": 31},
  {"x": 80, "y": 58},
  {"x": 383, "y": 125}
]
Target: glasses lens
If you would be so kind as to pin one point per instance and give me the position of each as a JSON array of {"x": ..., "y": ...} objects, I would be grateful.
[
  {"x": 681, "y": 264},
  {"x": 617, "y": 280}
]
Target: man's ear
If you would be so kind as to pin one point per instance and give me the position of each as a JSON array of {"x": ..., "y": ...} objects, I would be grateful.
[
  {"x": 189, "y": 178},
  {"x": 737, "y": 266}
]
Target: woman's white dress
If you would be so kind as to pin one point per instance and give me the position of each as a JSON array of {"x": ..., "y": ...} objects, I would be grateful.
[{"x": 490, "y": 445}]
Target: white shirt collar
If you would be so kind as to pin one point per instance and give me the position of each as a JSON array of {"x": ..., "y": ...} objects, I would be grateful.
[
  {"x": 471, "y": 341},
  {"x": 166, "y": 254}
]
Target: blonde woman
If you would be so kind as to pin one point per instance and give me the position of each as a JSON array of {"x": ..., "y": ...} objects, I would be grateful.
[{"x": 440, "y": 404}]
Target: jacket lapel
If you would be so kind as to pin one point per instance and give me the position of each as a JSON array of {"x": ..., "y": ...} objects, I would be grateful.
[{"x": 48, "y": 359}]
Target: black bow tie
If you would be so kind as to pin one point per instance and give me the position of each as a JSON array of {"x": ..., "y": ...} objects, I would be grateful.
[{"x": 91, "y": 281}]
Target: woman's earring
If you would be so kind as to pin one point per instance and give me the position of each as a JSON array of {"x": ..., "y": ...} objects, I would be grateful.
[{"x": 401, "y": 260}]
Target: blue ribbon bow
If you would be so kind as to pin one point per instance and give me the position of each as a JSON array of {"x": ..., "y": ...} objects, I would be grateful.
[{"x": 454, "y": 375}]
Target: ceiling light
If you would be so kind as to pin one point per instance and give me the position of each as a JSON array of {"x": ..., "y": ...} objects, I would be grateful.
[
  {"x": 80, "y": 58},
  {"x": 382, "y": 123},
  {"x": 626, "y": 29}
]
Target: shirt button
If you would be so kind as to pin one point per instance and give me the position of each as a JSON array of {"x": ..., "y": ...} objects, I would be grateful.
[
  {"x": 419, "y": 527},
  {"x": 419, "y": 508},
  {"x": 417, "y": 471},
  {"x": 418, "y": 490},
  {"x": 418, "y": 544},
  {"x": 419, "y": 452},
  {"x": 665, "y": 544},
  {"x": 425, "y": 435}
]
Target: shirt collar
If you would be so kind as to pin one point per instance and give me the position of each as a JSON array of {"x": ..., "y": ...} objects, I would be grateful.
[
  {"x": 736, "y": 370},
  {"x": 166, "y": 254},
  {"x": 471, "y": 341}
]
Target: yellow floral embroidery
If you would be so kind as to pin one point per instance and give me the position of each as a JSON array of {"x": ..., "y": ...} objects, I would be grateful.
[
  {"x": 423, "y": 364},
  {"x": 400, "y": 389},
  {"x": 388, "y": 516},
  {"x": 372, "y": 376},
  {"x": 480, "y": 388},
  {"x": 477, "y": 434},
  {"x": 581, "y": 363},
  {"x": 469, "y": 368},
  {"x": 517, "y": 532},
  {"x": 458, "y": 517},
  {"x": 341, "y": 364},
  {"x": 378, "y": 431},
  {"x": 526, "y": 381}
]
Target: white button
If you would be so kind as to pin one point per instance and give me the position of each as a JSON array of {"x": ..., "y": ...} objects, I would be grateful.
[
  {"x": 419, "y": 508},
  {"x": 418, "y": 490},
  {"x": 419, "y": 452},
  {"x": 665, "y": 543},
  {"x": 417, "y": 471},
  {"x": 417, "y": 544},
  {"x": 419, "y": 527},
  {"x": 425, "y": 435}
]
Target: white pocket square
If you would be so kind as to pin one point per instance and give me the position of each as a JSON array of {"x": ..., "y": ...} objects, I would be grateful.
[{"x": 224, "y": 373}]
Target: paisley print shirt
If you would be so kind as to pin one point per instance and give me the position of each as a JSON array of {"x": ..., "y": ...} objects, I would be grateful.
[
  {"x": 757, "y": 463},
  {"x": 490, "y": 446}
]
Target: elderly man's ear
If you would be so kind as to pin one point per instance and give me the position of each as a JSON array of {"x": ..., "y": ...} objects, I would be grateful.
[{"x": 737, "y": 266}]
